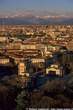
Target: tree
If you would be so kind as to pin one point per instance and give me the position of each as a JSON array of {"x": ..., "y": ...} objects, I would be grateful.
[{"x": 22, "y": 100}]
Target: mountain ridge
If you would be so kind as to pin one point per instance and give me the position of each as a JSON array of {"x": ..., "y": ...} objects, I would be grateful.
[{"x": 31, "y": 19}]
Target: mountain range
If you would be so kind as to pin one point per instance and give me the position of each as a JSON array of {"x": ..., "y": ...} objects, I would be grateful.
[{"x": 32, "y": 19}]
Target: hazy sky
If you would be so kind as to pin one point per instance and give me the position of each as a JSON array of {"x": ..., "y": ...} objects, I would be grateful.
[{"x": 60, "y": 6}]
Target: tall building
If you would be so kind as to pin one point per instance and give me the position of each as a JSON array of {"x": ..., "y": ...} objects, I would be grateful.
[{"x": 21, "y": 69}]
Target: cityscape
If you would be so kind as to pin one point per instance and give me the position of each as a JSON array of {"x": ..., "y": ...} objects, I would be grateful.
[{"x": 36, "y": 56}]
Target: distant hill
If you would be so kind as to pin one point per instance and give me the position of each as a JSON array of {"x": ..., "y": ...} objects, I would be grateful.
[{"x": 35, "y": 20}]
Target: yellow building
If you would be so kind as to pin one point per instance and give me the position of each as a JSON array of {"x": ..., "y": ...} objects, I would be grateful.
[
  {"x": 4, "y": 60},
  {"x": 28, "y": 46},
  {"x": 3, "y": 39},
  {"x": 37, "y": 60},
  {"x": 22, "y": 69},
  {"x": 54, "y": 69}
]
